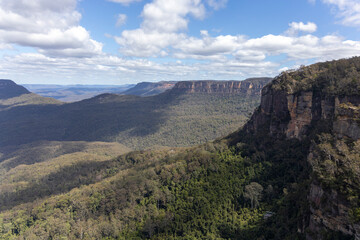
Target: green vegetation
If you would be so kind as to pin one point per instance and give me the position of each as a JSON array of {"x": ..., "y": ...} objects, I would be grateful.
[
  {"x": 137, "y": 122},
  {"x": 26, "y": 99},
  {"x": 336, "y": 166},
  {"x": 150, "y": 88},
  {"x": 339, "y": 77},
  {"x": 211, "y": 191},
  {"x": 41, "y": 169}
]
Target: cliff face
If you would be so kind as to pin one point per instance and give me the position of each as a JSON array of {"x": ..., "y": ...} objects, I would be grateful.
[
  {"x": 249, "y": 86},
  {"x": 9, "y": 89},
  {"x": 291, "y": 114},
  {"x": 288, "y": 112}
]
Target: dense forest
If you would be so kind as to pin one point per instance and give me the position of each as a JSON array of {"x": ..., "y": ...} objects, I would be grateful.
[{"x": 211, "y": 191}]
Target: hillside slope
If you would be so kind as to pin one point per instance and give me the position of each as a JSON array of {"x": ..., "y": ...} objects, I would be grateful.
[
  {"x": 9, "y": 89},
  {"x": 13, "y": 95},
  {"x": 291, "y": 173},
  {"x": 40, "y": 169},
  {"x": 146, "y": 89}
]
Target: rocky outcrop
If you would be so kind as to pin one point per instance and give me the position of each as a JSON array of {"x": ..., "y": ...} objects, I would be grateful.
[
  {"x": 9, "y": 89},
  {"x": 347, "y": 121},
  {"x": 249, "y": 86},
  {"x": 291, "y": 114},
  {"x": 329, "y": 210},
  {"x": 336, "y": 215},
  {"x": 286, "y": 113}
]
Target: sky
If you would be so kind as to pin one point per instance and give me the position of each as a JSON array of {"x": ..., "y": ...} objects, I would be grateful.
[{"x": 130, "y": 41}]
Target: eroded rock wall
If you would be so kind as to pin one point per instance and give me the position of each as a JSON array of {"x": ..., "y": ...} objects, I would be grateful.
[{"x": 293, "y": 115}]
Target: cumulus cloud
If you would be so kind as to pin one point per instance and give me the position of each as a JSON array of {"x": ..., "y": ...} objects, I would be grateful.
[
  {"x": 305, "y": 47},
  {"x": 208, "y": 46},
  {"x": 296, "y": 27},
  {"x": 255, "y": 51},
  {"x": 49, "y": 26},
  {"x": 121, "y": 20},
  {"x": 163, "y": 21},
  {"x": 142, "y": 43},
  {"x": 170, "y": 15},
  {"x": 348, "y": 11}
]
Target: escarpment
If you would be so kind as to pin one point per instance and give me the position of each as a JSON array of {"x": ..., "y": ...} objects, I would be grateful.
[
  {"x": 250, "y": 86},
  {"x": 292, "y": 114},
  {"x": 320, "y": 105}
]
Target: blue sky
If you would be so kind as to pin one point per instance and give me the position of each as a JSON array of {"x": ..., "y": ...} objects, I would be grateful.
[{"x": 130, "y": 41}]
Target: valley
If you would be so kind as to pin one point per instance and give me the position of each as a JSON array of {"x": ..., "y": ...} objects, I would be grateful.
[
  {"x": 177, "y": 117},
  {"x": 295, "y": 161}
]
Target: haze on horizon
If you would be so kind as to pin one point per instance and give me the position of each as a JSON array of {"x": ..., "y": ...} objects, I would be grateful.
[{"x": 130, "y": 41}]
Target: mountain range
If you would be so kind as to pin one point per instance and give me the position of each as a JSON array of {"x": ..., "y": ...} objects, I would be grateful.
[
  {"x": 73, "y": 93},
  {"x": 177, "y": 117}
]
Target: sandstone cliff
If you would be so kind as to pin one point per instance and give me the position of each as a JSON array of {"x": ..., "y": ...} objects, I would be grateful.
[
  {"x": 320, "y": 105},
  {"x": 250, "y": 86}
]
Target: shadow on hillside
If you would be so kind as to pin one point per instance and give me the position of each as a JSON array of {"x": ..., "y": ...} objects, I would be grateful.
[
  {"x": 63, "y": 181},
  {"x": 36, "y": 152},
  {"x": 98, "y": 119}
]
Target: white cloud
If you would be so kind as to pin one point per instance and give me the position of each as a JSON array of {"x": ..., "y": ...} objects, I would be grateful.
[
  {"x": 163, "y": 21},
  {"x": 141, "y": 43},
  {"x": 4, "y": 46},
  {"x": 50, "y": 26},
  {"x": 104, "y": 69},
  {"x": 347, "y": 10},
  {"x": 209, "y": 46},
  {"x": 283, "y": 69},
  {"x": 256, "y": 50},
  {"x": 170, "y": 15},
  {"x": 217, "y": 4},
  {"x": 121, "y": 20},
  {"x": 296, "y": 27},
  {"x": 124, "y": 2}
]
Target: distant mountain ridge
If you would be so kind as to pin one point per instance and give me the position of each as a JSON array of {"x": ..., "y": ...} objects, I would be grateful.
[
  {"x": 72, "y": 93},
  {"x": 150, "y": 88},
  {"x": 9, "y": 89}
]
